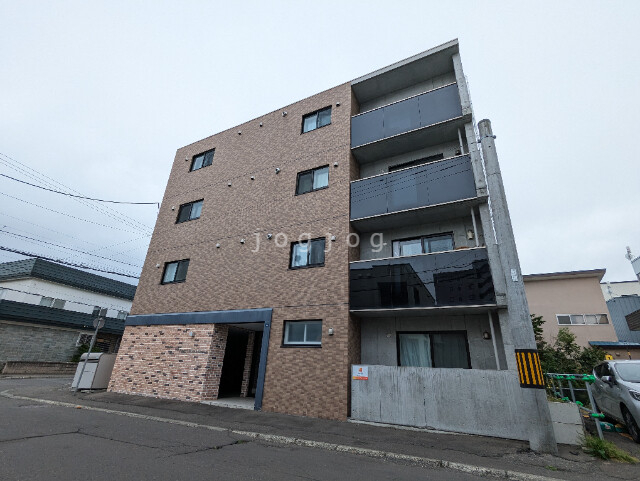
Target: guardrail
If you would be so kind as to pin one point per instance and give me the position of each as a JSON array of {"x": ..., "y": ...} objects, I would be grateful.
[{"x": 587, "y": 380}]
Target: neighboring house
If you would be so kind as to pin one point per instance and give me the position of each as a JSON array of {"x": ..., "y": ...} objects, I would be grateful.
[
  {"x": 618, "y": 289},
  {"x": 572, "y": 300},
  {"x": 47, "y": 310},
  {"x": 623, "y": 301},
  {"x": 349, "y": 230}
]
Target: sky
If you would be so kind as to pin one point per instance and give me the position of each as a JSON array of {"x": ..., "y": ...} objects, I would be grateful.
[{"x": 98, "y": 96}]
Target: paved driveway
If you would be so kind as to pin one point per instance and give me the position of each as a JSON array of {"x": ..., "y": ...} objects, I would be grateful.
[{"x": 47, "y": 442}]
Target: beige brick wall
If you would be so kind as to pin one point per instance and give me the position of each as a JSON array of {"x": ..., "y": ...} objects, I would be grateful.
[{"x": 304, "y": 381}]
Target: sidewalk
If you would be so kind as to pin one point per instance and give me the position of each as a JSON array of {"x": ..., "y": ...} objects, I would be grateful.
[{"x": 497, "y": 455}]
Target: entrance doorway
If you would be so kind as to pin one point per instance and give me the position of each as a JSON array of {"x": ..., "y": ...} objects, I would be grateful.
[{"x": 233, "y": 363}]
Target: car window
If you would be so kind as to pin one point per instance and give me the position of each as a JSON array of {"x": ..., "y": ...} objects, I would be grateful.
[
  {"x": 598, "y": 370},
  {"x": 629, "y": 372}
]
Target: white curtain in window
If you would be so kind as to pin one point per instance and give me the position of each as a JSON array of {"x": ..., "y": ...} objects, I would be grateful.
[
  {"x": 415, "y": 350},
  {"x": 299, "y": 257},
  {"x": 321, "y": 178}
]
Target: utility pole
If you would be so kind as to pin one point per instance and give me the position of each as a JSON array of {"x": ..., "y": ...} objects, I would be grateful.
[
  {"x": 635, "y": 263},
  {"x": 518, "y": 320}
]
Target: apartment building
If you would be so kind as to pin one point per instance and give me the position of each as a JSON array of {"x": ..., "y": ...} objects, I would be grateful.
[
  {"x": 337, "y": 258},
  {"x": 47, "y": 310}
]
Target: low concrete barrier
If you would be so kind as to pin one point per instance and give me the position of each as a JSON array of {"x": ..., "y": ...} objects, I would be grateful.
[
  {"x": 49, "y": 368},
  {"x": 469, "y": 401}
]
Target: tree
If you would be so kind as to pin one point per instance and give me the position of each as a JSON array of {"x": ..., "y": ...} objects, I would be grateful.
[{"x": 564, "y": 355}]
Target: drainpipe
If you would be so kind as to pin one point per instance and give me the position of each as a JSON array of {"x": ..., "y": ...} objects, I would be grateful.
[{"x": 535, "y": 405}]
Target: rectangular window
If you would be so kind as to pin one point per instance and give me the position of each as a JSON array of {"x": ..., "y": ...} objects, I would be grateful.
[
  {"x": 311, "y": 180},
  {"x": 413, "y": 163},
  {"x": 307, "y": 253},
  {"x": 447, "y": 349},
  {"x": 302, "y": 333},
  {"x": 175, "y": 271},
  {"x": 59, "y": 303},
  {"x": 582, "y": 319},
  {"x": 202, "y": 160},
  {"x": 316, "y": 120},
  {"x": 190, "y": 211},
  {"x": 423, "y": 245},
  {"x": 46, "y": 301},
  {"x": 122, "y": 315}
]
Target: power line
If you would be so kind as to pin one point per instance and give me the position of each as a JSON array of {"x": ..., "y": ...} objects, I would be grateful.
[
  {"x": 39, "y": 177},
  {"x": 96, "y": 247},
  {"x": 110, "y": 306},
  {"x": 72, "y": 264},
  {"x": 68, "y": 248},
  {"x": 68, "y": 215},
  {"x": 79, "y": 196}
]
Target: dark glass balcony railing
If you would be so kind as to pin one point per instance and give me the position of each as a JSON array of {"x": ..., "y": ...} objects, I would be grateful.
[
  {"x": 425, "y": 185},
  {"x": 400, "y": 117},
  {"x": 445, "y": 279}
]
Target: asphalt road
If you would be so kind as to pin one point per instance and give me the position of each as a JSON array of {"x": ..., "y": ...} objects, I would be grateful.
[{"x": 45, "y": 442}]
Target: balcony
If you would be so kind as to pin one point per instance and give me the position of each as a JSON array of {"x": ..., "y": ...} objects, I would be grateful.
[
  {"x": 415, "y": 195},
  {"x": 407, "y": 125},
  {"x": 418, "y": 285}
]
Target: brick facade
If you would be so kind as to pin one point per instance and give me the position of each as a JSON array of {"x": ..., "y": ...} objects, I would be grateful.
[
  {"x": 298, "y": 380},
  {"x": 171, "y": 362},
  {"x": 246, "y": 374}
]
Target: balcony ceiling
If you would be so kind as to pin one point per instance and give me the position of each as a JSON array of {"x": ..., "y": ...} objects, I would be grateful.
[
  {"x": 423, "y": 311},
  {"x": 410, "y": 141},
  {"x": 405, "y": 73},
  {"x": 418, "y": 216}
]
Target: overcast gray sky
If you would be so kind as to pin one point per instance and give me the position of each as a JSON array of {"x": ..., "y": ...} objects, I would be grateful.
[{"x": 99, "y": 95}]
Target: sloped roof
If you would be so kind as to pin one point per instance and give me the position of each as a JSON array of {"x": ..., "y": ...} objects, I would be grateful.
[{"x": 50, "y": 271}]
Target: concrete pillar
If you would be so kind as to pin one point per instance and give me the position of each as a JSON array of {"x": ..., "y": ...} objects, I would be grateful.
[
  {"x": 465, "y": 100},
  {"x": 535, "y": 404}
]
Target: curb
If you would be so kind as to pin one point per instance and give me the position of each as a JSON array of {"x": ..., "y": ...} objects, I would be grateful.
[{"x": 289, "y": 440}]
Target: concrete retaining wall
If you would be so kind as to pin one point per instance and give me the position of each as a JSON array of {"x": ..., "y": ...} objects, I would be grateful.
[
  {"x": 567, "y": 422},
  {"x": 469, "y": 401},
  {"x": 50, "y": 368}
]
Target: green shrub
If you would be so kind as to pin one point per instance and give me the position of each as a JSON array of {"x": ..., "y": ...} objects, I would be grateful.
[{"x": 602, "y": 449}]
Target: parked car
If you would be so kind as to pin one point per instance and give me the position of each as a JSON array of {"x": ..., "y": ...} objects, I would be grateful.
[{"x": 616, "y": 392}]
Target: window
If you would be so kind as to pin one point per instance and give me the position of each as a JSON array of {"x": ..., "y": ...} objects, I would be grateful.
[
  {"x": 202, "y": 160},
  {"x": 175, "y": 271},
  {"x": 311, "y": 180},
  {"x": 581, "y": 319},
  {"x": 189, "y": 211},
  {"x": 423, "y": 245},
  {"x": 413, "y": 163},
  {"x": 307, "y": 253},
  {"x": 447, "y": 349},
  {"x": 122, "y": 315},
  {"x": 302, "y": 333},
  {"x": 316, "y": 120},
  {"x": 51, "y": 302}
]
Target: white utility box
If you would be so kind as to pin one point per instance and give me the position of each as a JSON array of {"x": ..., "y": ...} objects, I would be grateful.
[{"x": 97, "y": 373}]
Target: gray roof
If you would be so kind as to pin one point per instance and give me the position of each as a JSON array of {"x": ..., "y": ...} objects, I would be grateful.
[
  {"x": 50, "y": 271},
  {"x": 614, "y": 344}
]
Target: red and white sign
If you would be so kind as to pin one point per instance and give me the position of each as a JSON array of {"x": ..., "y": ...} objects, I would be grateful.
[{"x": 360, "y": 373}]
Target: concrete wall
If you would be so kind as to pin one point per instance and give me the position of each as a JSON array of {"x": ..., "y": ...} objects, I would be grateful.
[
  {"x": 22, "y": 342},
  {"x": 432, "y": 83},
  {"x": 461, "y": 400},
  {"x": 567, "y": 423},
  {"x": 458, "y": 226},
  {"x": 379, "y": 337},
  {"x": 447, "y": 149},
  {"x": 580, "y": 295},
  {"x": 78, "y": 300}
]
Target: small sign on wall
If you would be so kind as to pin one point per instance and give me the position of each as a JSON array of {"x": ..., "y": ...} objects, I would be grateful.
[{"x": 360, "y": 373}]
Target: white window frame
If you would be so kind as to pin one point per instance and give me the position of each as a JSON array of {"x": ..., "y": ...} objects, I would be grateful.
[{"x": 584, "y": 323}]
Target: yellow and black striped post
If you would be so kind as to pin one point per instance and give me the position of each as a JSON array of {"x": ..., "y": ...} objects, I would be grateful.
[{"x": 529, "y": 368}]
